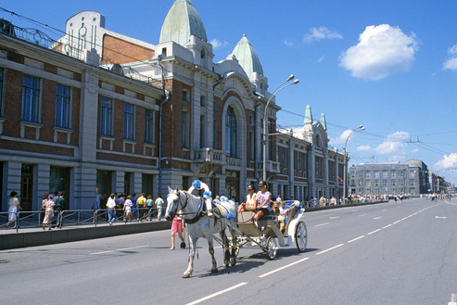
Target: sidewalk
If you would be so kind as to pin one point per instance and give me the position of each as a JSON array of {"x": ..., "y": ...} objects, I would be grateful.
[
  {"x": 30, "y": 237},
  {"x": 36, "y": 236}
]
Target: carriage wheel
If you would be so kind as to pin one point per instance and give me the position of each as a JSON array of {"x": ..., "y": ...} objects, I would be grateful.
[
  {"x": 272, "y": 248},
  {"x": 301, "y": 236}
]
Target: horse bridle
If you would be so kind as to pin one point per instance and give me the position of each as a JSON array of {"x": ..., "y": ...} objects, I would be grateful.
[{"x": 198, "y": 213}]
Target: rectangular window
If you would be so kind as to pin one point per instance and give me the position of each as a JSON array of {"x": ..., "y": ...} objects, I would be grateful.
[
  {"x": 202, "y": 101},
  {"x": 149, "y": 126},
  {"x": 62, "y": 106},
  {"x": 202, "y": 131},
  {"x": 185, "y": 129},
  {"x": 384, "y": 174},
  {"x": 30, "y": 99},
  {"x": 368, "y": 183},
  {"x": 106, "y": 117},
  {"x": 185, "y": 96},
  {"x": 384, "y": 182},
  {"x": 129, "y": 119},
  {"x": 393, "y": 174},
  {"x": 412, "y": 173},
  {"x": 376, "y": 174},
  {"x": 411, "y": 182},
  {"x": 367, "y": 175},
  {"x": 285, "y": 159},
  {"x": 2, "y": 82},
  {"x": 215, "y": 133},
  {"x": 251, "y": 146},
  {"x": 393, "y": 182},
  {"x": 376, "y": 182}
]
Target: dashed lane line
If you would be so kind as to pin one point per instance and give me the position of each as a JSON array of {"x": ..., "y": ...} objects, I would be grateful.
[
  {"x": 375, "y": 231},
  {"x": 217, "y": 293},
  {"x": 330, "y": 249},
  {"x": 284, "y": 267},
  {"x": 322, "y": 224},
  {"x": 389, "y": 225},
  {"x": 357, "y": 238}
]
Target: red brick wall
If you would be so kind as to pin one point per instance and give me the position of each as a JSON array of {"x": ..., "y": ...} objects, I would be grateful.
[{"x": 115, "y": 48}]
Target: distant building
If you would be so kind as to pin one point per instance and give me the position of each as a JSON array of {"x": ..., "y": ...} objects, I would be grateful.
[
  {"x": 395, "y": 178},
  {"x": 100, "y": 110}
]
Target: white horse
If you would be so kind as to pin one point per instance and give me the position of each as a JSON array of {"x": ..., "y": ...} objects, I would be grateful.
[{"x": 192, "y": 209}]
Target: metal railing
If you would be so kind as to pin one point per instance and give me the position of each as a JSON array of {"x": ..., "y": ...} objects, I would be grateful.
[{"x": 34, "y": 219}]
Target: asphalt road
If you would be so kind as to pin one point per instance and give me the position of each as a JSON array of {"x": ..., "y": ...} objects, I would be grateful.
[{"x": 390, "y": 253}]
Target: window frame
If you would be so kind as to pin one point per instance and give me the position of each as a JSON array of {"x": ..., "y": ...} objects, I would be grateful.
[
  {"x": 129, "y": 122},
  {"x": 65, "y": 110},
  {"x": 35, "y": 103},
  {"x": 106, "y": 116}
]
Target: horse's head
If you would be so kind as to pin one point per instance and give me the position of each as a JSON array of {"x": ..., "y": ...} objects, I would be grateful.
[{"x": 173, "y": 203}]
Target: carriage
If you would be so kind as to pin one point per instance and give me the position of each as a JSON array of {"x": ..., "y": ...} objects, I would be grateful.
[
  {"x": 266, "y": 233},
  {"x": 201, "y": 222}
]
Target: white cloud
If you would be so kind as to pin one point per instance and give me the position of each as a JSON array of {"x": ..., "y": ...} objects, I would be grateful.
[
  {"x": 364, "y": 148},
  {"x": 451, "y": 63},
  {"x": 382, "y": 50},
  {"x": 448, "y": 161},
  {"x": 218, "y": 44},
  {"x": 341, "y": 139},
  {"x": 316, "y": 34},
  {"x": 416, "y": 150},
  {"x": 288, "y": 43},
  {"x": 321, "y": 59},
  {"x": 394, "y": 143}
]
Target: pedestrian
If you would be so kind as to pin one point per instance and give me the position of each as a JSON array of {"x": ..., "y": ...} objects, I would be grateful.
[
  {"x": 47, "y": 221},
  {"x": 13, "y": 205},
  {"x": 120, "y": 206},
  {"x": 177, "y": 227},
  {"x": 59, "y": 207},
  {"x": 134, "y": 206},
  {"x": 150, "y": 206},
  {"x": 96, "y": 203},
  {"x": 128, "y": 209},
  {"x": 159, "y": 204},
  {"x": 141, "y": 204},
  {"x": 111, "y": 205},
  {"x": 44, "y": 198}
]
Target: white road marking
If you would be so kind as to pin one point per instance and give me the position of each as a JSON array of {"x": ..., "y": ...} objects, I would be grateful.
[
  {"x": 217, "y": 293},
  {"x": 440, "y": 217},
  {"x": 385, "y": 227},
  {"x": 284, "y": 267},
  {"x": 360, "y": 237},
  {"x": 362, "y": 214},
  {"x": 397, "y": 222},
  {"x": 335, "y": 217},
  {"x": 377, "y": 217},
  {"x": 117, "y": 250},
  {"x": 322, "y": 224},
  {"x": 372, "y": 232},
  {"x": 330, "y": 249}
]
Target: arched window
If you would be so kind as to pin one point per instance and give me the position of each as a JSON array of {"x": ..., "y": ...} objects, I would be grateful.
[{"x": 230, "y": 133}]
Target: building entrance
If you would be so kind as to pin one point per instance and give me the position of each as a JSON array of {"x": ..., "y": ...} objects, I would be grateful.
[{"x": 26, "y": 187}]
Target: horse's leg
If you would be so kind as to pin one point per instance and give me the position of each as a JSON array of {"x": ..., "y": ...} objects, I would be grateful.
[
  {"x": 192, "y": 247},
  {"x": 234, "y": 246},
  {"x": 211, "y": 251},
  {"x": 225, "y": 244}
]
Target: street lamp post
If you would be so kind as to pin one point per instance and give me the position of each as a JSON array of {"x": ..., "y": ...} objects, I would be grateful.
[
  {"x": 360, "y": 128},
  {"x": 265, "y": 135}
]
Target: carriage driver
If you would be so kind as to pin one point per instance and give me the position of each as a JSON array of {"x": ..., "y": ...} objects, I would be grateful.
[{"x": 262, "y": 201}]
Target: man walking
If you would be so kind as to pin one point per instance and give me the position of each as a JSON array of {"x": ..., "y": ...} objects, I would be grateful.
[
  {"x": 159, "y": 204},
  {"x": 59, "y": 207}
]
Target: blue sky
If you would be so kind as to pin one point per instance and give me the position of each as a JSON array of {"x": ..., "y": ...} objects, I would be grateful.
[{"x": 389, "y": 65}]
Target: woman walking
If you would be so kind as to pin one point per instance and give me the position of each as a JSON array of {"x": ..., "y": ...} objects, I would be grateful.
[
  {"x": 12, "y": 210},
  {"x": 49, "y": 212}
]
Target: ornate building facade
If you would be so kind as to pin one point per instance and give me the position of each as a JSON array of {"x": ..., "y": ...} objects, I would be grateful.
[{"x": 98, "y": 109}]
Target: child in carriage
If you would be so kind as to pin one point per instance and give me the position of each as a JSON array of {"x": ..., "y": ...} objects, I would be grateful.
[{"x": 282, "y": 216}]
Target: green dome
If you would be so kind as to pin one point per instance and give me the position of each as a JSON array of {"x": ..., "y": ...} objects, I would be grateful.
[
  {"x": 181, "y": 22},
  {"x": 247, "y": 57}
]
